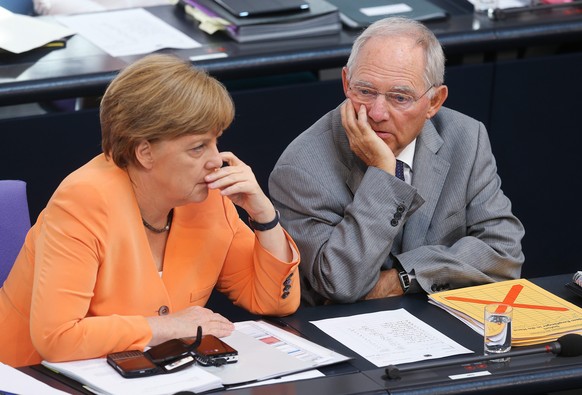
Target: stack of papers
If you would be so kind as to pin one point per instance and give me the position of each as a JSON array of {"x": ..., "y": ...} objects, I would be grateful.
[
  {"x": 264, "y": 352},
  {"x": 538, "y": 315},
  {"x": 97, "y": 375}
]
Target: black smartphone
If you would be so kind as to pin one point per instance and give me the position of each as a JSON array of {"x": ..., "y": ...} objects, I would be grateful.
[
  {"x": 168, "y": 351},
  {"x": 214, "y": 352},
  {"x": 131, "y": 364},
  {"x": 171, "y": 355}
]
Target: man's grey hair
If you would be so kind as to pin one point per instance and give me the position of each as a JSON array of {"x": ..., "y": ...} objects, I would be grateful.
[{"x": 434, "y": 73}]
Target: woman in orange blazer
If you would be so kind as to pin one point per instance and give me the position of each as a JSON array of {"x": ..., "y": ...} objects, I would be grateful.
[{"x": 130, "y": 246}]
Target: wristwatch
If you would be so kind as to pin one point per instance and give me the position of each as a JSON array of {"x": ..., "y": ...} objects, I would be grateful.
[
  {"x": 404, "y": 280},
  {"x": 264, "y": 226}
]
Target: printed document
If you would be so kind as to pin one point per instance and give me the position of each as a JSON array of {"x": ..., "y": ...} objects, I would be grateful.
[
  {"x": 13, "y": 381},
  {"x": 265, "y": 351},
  {"x": 390, "y": 337},
  {"x": 99, "y": 377},
  {"x": 539, "y": 316},
  {"x": 127, "y": 32}
]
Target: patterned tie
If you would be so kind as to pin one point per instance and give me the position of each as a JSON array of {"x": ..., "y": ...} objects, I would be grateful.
[{"x": 400, "y": 169}]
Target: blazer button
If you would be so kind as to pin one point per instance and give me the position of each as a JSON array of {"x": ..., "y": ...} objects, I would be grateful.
[
  {"x": 286, "y": 288},
  {"x": 164, "y": 310},
  {"x": 400, "y": 208},
  {"x": 285, "y": 295},
  {"x": 287, "y": 281},
  {"x": 397, "y": 215},
  {"x": 394, "y": 222}
]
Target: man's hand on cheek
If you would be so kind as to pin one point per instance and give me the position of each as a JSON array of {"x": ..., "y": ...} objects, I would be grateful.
[{"x": 364, "y": 141}]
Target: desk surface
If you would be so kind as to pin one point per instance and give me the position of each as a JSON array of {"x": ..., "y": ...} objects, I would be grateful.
[
  {"x": 531, "y": 374},
  {"x": 539, "y": 373},
  {"x": 81, "y": 69}
]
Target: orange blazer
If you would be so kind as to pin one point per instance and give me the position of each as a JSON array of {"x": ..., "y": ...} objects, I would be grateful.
[{"x": 85, "y": 277}]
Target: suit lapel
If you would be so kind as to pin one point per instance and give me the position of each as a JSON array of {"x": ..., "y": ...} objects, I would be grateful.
[{"x": 430, "y": 172}]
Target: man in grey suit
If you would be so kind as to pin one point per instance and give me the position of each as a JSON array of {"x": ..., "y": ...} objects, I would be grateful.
[{"x": 362, "y": 231}]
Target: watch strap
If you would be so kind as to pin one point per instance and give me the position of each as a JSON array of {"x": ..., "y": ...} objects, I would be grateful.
[{"x": 258, "y": 226}]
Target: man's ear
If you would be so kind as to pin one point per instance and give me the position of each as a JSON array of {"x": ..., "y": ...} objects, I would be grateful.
[
  {"x": 345, "y": 81},
  {"x": 144, "y": 154},
  {"x": 440, "y": 95}
]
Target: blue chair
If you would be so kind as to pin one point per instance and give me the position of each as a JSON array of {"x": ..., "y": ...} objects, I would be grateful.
[
  {"x": 18, "y": 6},
  {"x": 14, "y": 223}
]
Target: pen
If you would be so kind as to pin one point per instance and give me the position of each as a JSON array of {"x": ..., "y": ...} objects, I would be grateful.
[{"x": 283, "y": 325}]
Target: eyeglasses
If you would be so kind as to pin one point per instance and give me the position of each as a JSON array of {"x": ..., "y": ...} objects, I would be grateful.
[{"x": 397, "y": 100}]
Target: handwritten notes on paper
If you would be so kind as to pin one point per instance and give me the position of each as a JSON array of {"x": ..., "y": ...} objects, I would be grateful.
[
  {"x": 538, "y": 315},
  {"x": 127, "y": 32},
  {"x": 390, "y": 337}
]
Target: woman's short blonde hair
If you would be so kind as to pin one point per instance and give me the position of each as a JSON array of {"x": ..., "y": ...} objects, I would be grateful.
[{"x": 160, "y": 97}]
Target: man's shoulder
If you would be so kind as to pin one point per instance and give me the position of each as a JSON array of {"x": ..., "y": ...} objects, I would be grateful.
[
  {"x": 454, "y": 125},
  {"x": 317, "y": 141},
  {"x": 448, "y": 113}
]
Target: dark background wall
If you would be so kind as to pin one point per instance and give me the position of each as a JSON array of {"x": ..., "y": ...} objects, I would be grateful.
[{"x": 528, "y": 105}]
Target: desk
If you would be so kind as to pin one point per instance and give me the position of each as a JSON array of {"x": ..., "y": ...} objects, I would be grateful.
[
  {"x": 538, "y": 373},
  {"x": 81, "y": 69},
  {"x": 519, "y": 76}
]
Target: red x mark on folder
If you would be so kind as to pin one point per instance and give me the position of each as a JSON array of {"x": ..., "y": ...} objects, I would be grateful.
[{"x": 509, "y": 299}]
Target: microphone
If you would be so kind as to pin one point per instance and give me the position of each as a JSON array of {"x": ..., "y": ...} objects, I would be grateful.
[{"x": 569, "y": 345}]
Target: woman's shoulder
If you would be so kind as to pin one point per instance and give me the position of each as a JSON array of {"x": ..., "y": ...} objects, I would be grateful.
[{"x": 99, "y": 179}]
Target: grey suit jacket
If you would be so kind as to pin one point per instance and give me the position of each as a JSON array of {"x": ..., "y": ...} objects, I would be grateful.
[{"x": 454, "y": 222}]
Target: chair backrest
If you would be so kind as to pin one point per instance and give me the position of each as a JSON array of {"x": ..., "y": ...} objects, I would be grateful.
[
  {"x": 14, "y": 223},
  {"x": 25, "y": 7}
]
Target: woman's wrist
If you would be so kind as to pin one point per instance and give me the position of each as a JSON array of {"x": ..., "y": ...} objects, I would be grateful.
[{"x": 264, "y": 226}]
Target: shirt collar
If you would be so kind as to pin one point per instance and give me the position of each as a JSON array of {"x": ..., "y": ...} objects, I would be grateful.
[{"x": 407, "y": 154}]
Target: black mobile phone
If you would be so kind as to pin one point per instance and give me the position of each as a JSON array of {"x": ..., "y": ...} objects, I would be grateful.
[
  {"x": 171, "y": 355},
  {"x": 214, "y": 352},
  {"x": 131, "y": 364},
  {"x": 168, "y": 351}
]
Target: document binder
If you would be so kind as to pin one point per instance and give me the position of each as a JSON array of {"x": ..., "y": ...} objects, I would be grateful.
[
  {"x": 321, "y": 18},
  {"x": 361, "y": 13}
]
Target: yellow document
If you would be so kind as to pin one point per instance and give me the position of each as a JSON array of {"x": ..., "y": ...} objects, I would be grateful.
[{"x": 538, "y": 315}]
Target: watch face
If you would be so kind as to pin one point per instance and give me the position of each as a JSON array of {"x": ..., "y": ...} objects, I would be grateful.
[{"x": 404, "y": 280}]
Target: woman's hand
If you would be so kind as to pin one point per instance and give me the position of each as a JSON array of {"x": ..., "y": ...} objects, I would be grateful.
[
  {"x": 238, "y": 182},
  {"x": 184, "y": 323}
]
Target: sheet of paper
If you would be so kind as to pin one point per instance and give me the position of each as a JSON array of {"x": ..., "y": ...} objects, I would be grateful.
[
  {"x": 127, "y": 32},
  {"x": 310, "y": 374},
  {"x": 390, "y": 337},
  {"x": 102, "y": 378},
  {"x": 13, "y": 381},
  {"x": 266, "y": 352},
  {"x": 21, "y": 33}
]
